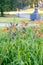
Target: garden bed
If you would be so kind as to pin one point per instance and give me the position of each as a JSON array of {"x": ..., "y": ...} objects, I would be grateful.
[{"x": 21, "y": 45}]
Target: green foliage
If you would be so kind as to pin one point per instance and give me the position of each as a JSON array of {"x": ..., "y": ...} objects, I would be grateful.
[
  {"x": 21, "y": 49},
  {"x": 8, "y": 5}
]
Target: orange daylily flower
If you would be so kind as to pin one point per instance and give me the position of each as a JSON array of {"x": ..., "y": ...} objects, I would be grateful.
[
  {"x": 5, "y": 30},
  {"x": 37, "y": 35},
  {"x": 37, "y": 22},
  {"x": 42, "y": 22},
  {"x": 22, "y": 22},
  {"x": 33, "y": 27},
  {"x": 38, "y": 29},
  {"x": 41, "y": 35}
]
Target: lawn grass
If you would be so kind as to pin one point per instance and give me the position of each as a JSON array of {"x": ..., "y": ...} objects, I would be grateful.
[
  {"x": 6, "y": 19},
  {"x": 41, "y": 14},
  {"x": 12, "y": 19},
  {"x": 31, "y": 10},
  {"x": 28, "y": 10}
]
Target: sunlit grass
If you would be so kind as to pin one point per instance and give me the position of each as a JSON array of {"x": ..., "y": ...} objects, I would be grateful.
[
  {"x": 13, "y": 19},
  {"x": 31, "y": 10}
]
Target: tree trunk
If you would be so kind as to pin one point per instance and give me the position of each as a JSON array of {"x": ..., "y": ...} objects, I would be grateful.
[
  {"x": 2, "y": 7},
  {"x": 2, "y": 12}
]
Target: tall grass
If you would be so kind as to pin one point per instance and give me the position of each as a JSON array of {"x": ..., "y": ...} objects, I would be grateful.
[{"x": 22, "y": 49}]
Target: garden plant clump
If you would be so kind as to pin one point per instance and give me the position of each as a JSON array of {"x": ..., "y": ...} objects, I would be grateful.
[{"x": 21, "y": 45}]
